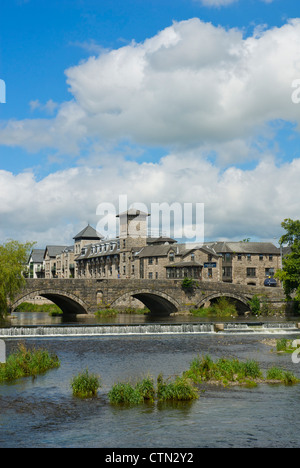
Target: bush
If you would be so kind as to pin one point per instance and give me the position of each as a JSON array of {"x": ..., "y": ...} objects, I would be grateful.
[
  {"x": 254, "y": 305},
  {"x": 26, "y": 362},
  {"x": 85, "y": 385}
]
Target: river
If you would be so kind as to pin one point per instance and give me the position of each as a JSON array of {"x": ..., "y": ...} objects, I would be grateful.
[{"x": 43, "y": 413}]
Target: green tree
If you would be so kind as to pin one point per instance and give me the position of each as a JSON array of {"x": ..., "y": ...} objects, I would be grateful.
[
  {"x": 13, "y": 258},
  {"x": 290, "y": 273}
]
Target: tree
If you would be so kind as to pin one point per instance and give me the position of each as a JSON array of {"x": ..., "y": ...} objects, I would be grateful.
[
  {"x": 290, "y": 273},
  {"x": 13, "y": 258}
]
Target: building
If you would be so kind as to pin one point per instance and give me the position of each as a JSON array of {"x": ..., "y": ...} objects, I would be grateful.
[
  {"x": 135, "y": 255},
  {"x": 247, "y": 262},
  {"x": 36, "y": 267}
]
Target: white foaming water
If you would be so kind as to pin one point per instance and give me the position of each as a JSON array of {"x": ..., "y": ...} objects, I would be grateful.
[{"x": 141, "y": 329}]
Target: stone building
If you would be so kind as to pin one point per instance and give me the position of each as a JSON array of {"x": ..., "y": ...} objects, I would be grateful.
[
  {"x": 247, "y": 262},
  {"x": 134, "y": 255}
]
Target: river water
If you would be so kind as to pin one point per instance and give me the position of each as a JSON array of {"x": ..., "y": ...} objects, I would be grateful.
[{"x": 42, "y": 412}]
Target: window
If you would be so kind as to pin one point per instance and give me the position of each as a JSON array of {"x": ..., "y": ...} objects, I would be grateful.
[
  {"x": 261, "y": 257},
  {"x": 249, "y": 257},
  {"x": 269, "y": 272},
  {"x": 171, "y": 257},
  {"x": 192, "y": 257},
  {"x": 271, "y": 258},
  {"x": 150, "y": 275},
  {"x": 239, "y": 257},
  {"x": 209, "y": 273},
  {"x": 150, "y": 261},
  {"x": 251, "y": 272},
  {"x": 132, "y": 269},
  {"x": 156, "y": 275}
]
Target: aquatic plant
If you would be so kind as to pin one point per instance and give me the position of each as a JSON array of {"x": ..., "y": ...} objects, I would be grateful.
[
  {"x": 26, "y": 363},
  {"x": 181, "y": 389},
  {"x": 124, "y": 392},
  {"x": 85, "y": 385},
  {"x": 287, "y": 377}
]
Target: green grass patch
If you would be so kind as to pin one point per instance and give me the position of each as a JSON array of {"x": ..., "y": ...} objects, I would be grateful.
[
  {"x": 25, "y": 363},
  {"x": 180, "y": 389},
  {"x": 284, "y": 345},
  {"x": 85, "y": 385},
  {"x": 223, "y": 307},
  {"x": 51, "y": 309},
  {"x": 107, "y": 312},
  {"x": 229, "y": 371},
  {"x": 126, "y": 393}
]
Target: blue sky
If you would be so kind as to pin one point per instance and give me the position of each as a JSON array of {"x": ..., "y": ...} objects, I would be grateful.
[{"x": 111, "y": 97}]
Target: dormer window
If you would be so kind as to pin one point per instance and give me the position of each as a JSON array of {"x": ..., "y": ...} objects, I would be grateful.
[{"x": 171, "y": 256}]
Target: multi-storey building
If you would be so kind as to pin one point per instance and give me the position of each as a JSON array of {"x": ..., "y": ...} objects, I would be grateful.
[{"x": 134, "y": 255}]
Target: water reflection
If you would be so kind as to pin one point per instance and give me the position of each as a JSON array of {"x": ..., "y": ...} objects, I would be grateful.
[{"x": 42, "y": 318}]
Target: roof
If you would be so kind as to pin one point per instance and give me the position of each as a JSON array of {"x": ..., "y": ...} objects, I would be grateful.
[
  {"x": 160, "y": 250},
  {"x": 37, "y": 255},
  {"x": 244, "y": 247},
  {"x": 133, "y": 212},
  {"x": 160, "y": 240},
  {"x": 184, "y": 264},
  {"x": 54, "y": 250},
  {"x": 88, "y": 233}
]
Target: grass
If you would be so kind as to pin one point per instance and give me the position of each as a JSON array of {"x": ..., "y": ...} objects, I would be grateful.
[
  {"x": 180, "y": 389},
  {"x": 111, "y": 312},
  {"x": 107, "y": 313},
  {"x": 223, "y": 307},
  {"x": 52, "y": 309},
  {"x": 124, "y": 392},
  {"x": 25, "y": 363},
  {"x": 233, "y": 371},
  {"x": 85, "y": 385},
  {"x": 284, "y": 345}
]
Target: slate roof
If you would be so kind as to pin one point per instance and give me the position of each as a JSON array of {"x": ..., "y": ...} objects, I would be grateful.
[
  {"x": 54, "y": 250},
  {"x": 88, "y": 233},
  {"x": 37, "y": 255},
  {"x": 244, "y": 247}
]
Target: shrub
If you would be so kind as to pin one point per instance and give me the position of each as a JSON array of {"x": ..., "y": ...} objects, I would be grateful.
[
  {"x": 254, "y": 305},
  {"x": 85, "y": 385}
]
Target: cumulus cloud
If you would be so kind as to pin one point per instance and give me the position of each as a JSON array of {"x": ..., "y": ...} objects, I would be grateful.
[
  {"x": 238, "y": 203},
  {"x": 193, "y": 83},
  {"x": 203, "y": 93}
]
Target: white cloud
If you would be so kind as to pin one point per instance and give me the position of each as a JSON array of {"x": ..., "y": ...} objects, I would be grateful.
[
  {"x": 197, "y": 89},
  {"x": 191, "y": 84},
  {"x": 238, "y": 203}
]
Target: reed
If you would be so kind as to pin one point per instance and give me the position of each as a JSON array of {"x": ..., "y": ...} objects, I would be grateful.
[
  {"x": 26, "y": 363},
  {"x": 85, "y": 385}
]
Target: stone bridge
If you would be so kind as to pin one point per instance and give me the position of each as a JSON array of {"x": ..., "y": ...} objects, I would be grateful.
[{"x": 86, "y": 296}]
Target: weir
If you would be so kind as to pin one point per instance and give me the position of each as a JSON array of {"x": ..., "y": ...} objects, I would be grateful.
[{"x": 144, "y": 329}]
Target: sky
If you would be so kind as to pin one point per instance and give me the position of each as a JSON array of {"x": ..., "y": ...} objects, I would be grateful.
[{"x": 159, "y": 101}]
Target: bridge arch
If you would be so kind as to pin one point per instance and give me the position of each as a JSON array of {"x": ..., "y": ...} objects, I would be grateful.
[
  {"x": 156, "y": 301},
  {"x": 69, "y": 303},
  {"x": 240, "y": 301}
]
